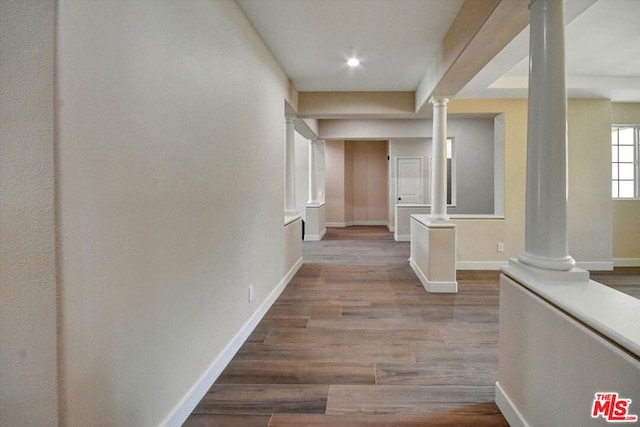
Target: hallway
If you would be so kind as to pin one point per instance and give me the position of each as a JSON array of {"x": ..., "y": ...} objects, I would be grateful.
[{"x": 355, "y": 340}]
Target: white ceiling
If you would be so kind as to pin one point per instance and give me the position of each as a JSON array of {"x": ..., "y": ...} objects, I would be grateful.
[
  {"x": 396, "y": 39},
  {"x": 312, "y": 39}
]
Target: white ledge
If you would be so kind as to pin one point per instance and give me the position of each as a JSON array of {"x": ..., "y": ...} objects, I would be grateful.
[
  {"x": 475, "y": 216},
  {"x": 609, "y": 312},
  {"x": 451, "y": 215},
  {"x": 429, "y": 222},
  {"x": 290, "y": 219},
  {"x": 319, "y": 205}
]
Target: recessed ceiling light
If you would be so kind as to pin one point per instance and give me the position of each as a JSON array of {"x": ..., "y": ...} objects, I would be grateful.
[{"x": 353, "y": 62}]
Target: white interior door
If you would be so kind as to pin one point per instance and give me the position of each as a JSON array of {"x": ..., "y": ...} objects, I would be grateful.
[{"x": 409, "y": 176}]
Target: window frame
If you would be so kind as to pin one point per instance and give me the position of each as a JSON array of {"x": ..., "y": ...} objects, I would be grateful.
[{"x": 615, "y": 162}]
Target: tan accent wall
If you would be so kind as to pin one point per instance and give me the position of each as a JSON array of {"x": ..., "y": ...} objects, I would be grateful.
[
  {"x": 590, "y": 207},
  {"x": 589, "y": 197},
  {"x": 478, "y": 238},
  {"x": 335, "y": 188},
  {"x": 369, "y": 180},
  {"x": 626, "y": 213},
  {"x": 356, "y": 182},
  {"x": 356, "y": 104}
]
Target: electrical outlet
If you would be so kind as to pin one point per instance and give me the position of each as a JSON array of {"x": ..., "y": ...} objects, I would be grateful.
[
  {"x": 250, "y": 293},
  {"x": 500, "y": 247}
]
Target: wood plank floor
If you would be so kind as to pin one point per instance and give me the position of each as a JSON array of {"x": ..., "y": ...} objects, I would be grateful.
[
  {"x": 624, "y": 279},
  {"x": 354, "y": 340}
]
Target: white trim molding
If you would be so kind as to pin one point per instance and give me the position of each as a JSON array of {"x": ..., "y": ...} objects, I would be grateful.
[
  {"x": 350, "y": 223},
  {"x": 480, "y": 265},
  {"x": 289, "y": 219},
  {"x": 402, "y": 237},
  {"x": 595, "y": 265},
  {"x": 315, "y": 237},
  {"x": 335, "y": 224},
  {"x": 433, "y": 287},
  {"x": 508, "y": 409},
  {"x": 626, "y": 262}
]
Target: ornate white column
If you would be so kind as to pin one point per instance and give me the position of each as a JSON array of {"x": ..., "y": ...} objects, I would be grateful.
[
  {"x": 290, "y": 168},
  {"x": 439, "y": 162},
  {"x": 546, "y": 234},
  {"x": 313, "y": 186}
]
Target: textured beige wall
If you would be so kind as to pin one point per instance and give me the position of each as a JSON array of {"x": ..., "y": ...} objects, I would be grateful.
[
  {"x": 357, "y": 104},
  {"x": 626, "y": 229},
  {"x": 590, "y": 206},
  {"x": 349, "y": 154},
  {"x": 625, "y": 113},
  {"x": 589, "y": 200},
  {"x": 369, "y": 181},
  {"x": 356, "y": 182},
  {"x": 334, "y": 192},
  {"x": 171, "y": 196},
  {"x": 28, "y": 316},
  {"x": 626, "y": 213},
  {"x": 478, "y": 238}
]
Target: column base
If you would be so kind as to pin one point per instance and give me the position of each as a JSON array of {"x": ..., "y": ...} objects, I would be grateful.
[
  {"x": 566, "y": 263},
  {"x": 438, "y": 217},
  {"x": 527, "y": 273}
]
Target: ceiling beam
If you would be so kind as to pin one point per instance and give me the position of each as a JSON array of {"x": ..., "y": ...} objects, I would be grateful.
[
  {"x": 481, "y": 29},
  {"x": 327, "y": 105}
]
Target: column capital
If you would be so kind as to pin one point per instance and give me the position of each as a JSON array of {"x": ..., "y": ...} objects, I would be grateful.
[
  {"x": 438, "y": 101},
  {"x": 317, "y": 141},
  {"x": 290, "y": 119}
]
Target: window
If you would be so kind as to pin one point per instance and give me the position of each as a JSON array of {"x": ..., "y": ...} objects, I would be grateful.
[{"x": 624, "y": 162}]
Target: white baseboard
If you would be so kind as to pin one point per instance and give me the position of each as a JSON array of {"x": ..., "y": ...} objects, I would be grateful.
[
  {"x": 315, "y": 237},
  {"x": 402, "y": 237},
  {"x": 508, "y": 409},
  {"x": 595, "y": 265},
  {"x": 497, "y": 265},
  {"x": 626, "y": 262},
  {"x": 350, "y": 223},
  {"x": 187, "y": 404},
  {"x": 592, "y": 266},
  {"x": 433, "y": 287},
  {"x": 384, "y": 223},
  {"x": 480, "y": 265},
  {"x": 335, "y": 224}
]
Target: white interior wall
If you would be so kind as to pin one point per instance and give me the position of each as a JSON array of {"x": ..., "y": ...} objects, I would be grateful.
[
  {"x": 170, "y": 140},
  {"x": 474, "y": 151}
]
